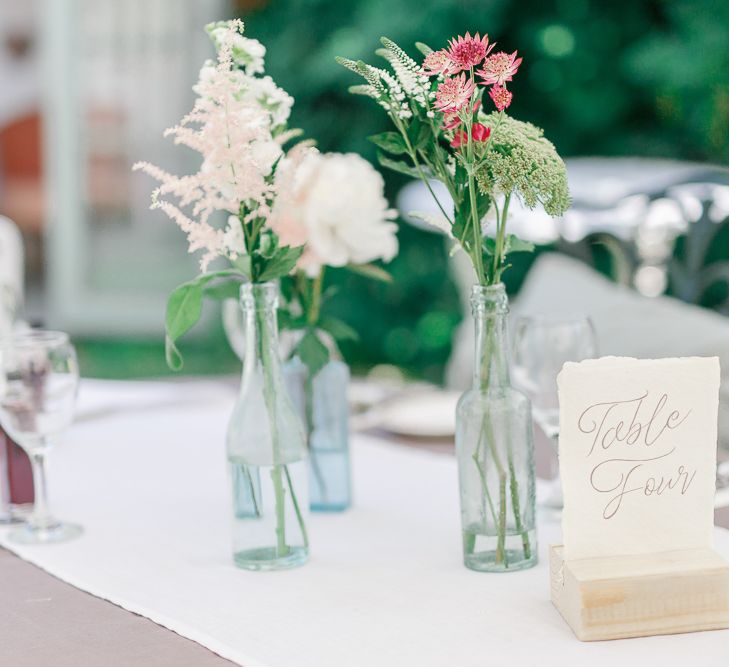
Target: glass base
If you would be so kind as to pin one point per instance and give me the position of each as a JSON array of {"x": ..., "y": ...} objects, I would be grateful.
[
  {"x": 482, "y": 554},
  {"x": 8, "y": 518},
  {"x": 265, "y": 559},
  {"x": 57, "y": 532}
]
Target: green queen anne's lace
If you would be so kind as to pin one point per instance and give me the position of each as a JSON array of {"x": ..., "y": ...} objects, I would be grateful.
[{"x": 521, "y": 161}]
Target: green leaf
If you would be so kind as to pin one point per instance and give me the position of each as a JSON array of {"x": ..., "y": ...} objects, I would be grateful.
[
  {"x": 280, "y": 264},
  {"x": 371, "y": 271},
  {"x": 184, "y": 307},
  {"x": 243, "y": 264},
  {"x": 515, "y": 244},
  {"x": 489, "y": 246},
  {"x": 398, "y": 166},
  {"x": 183, "y": 311},
  {"x": 268, "y": 245},
  {"x": 461, "y": 176},
  {"x": 172, "y": 355},
  {"x": 418, "y": 134},
  {"x": 290, "y": 322},
  {"x": 229, "y": 289},
  {"x": 392, "y": 142},
  {"x": 312, "y": 352},
  {"x": 339, "y": 329}
]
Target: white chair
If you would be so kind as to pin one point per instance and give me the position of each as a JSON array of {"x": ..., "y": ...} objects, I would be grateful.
[{"x": 11, "y": 274}]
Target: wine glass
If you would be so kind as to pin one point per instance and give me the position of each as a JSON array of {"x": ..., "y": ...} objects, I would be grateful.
[
  {"x": 38, "y": 385},
  {"x": 542, "y": 344}
]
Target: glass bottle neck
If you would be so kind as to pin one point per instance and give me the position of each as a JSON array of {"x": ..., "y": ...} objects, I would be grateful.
[
  {"x": 490, "y": 307},
  {"x": 259, "y": 303}
]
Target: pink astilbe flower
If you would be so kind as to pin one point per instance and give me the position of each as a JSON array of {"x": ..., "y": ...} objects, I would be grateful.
[
  {"x": 466, "y": 51},
  {"x": 437, "y": 62},
  {"x": 499, "y": 68},
  {"x": 501, "y": 97},
  {"x": 454, "y": 93},
  {"x": 233, "y": 132}
]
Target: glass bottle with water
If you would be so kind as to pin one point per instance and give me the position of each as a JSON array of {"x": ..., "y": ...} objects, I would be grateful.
[
  {"x": 495, "y": 451},
  {"x": 266, "y": 449}
]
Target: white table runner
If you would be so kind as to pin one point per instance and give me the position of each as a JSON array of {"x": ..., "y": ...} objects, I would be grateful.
[{"x": 144, "y": 471}]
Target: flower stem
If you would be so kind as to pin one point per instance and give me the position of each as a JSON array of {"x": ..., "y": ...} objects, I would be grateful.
[
  {"x": 475, "y": 218},
  {"x": 315, "y": 300},
  {"x": 500, "y": 233},
  {"x": 282, "y": 549},
  {"x": 414, "y": 157},
  {"x": 297, "y": 509}
]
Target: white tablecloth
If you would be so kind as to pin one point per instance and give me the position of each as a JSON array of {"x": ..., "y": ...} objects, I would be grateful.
[{"x": 143, "y": 470}]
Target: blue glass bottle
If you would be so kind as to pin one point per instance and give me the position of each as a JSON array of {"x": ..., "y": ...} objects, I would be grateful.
[{"x": 322, "y": 404}]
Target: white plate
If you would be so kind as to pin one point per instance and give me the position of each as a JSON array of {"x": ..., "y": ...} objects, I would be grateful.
[{"x": 421, "y": 414}]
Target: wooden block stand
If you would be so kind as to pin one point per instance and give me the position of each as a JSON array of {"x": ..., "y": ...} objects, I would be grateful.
[{"x": 635, "y": 596}]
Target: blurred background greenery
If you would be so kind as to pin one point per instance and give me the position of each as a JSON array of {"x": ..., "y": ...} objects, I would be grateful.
[{"x": 625, "y": 77}]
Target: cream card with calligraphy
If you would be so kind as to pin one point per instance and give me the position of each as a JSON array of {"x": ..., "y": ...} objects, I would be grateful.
[{"x": 637, "y": 451}]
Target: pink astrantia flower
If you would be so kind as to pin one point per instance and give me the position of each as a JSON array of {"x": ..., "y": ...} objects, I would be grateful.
[
  {"x": 454, "y": 93},
  {"x": 453, "y": 120},
  {"x": 437, "y": 62},
  {"x": 479, "y": 133},
  {"x": 499, "y": 68},
  {"x": 466, "y": 52},
  {"x": 501, "y": 97}
]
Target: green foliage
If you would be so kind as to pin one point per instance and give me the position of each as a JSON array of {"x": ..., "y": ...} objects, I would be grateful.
[
  {"x": 280, "y": 262},
  {"x": 391, "y": 142},
  {"x": 399, "y": 166},
  {"x": 312, "y": 352},
  {"x": 184, "y": 308}
]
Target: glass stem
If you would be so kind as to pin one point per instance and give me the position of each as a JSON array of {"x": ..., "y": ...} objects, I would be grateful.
[{"x": 41, "y": 517}]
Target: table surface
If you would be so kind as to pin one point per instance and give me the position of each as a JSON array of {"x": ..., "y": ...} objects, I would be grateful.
[{"x": 46, "y": 621}]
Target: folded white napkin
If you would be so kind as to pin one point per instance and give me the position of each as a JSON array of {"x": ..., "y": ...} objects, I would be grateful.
[{"x": 628, "y": 324}]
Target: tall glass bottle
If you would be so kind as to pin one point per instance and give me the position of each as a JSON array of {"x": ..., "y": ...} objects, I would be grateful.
[
  {"x": 266, "y": 448},
  {"x": 495, "y": 450},
  {"x": 324, "y": 409}
]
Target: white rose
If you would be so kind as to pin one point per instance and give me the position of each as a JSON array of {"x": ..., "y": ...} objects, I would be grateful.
[{"x": 336, "y": 203}]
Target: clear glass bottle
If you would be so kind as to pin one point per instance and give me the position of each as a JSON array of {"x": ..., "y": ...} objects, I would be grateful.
[
  {"x": 495, "y": 450},
  {"x": 324, "y": 409},
  {"x": 266, "y": 448}
]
